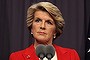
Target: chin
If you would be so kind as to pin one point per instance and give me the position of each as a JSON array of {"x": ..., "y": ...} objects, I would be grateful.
[{"x": 42, "y": 38}]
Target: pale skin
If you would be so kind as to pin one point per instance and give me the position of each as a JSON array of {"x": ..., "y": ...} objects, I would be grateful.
[{"x": 43, "y": 28}]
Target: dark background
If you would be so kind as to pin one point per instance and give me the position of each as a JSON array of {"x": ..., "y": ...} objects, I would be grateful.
[
  {"x": 15, "y": 36},
  {"x": 87, "y": 29}
]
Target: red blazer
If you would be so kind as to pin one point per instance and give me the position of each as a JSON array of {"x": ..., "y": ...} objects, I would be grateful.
[{"x": 29, "y": 54}]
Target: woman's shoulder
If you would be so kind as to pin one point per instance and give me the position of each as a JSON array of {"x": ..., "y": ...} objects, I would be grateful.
[
  {"x": 68, "y": 52},
  {"x": 16, "y": 55},
  {"x": 62, "y": 48},
  {"x": 65, "y": 50},
  {"x": 21, "y": 53}
]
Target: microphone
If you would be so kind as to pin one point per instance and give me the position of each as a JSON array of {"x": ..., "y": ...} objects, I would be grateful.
[
  {"x": 40, "y": 51},
  {"x": 50, "y": 52}
]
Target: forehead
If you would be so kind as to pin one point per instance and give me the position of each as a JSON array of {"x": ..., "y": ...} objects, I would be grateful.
[{"x": 42, "y": 15}]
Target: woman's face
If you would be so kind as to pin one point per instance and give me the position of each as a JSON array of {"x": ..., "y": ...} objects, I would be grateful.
[{"x": 43, "y": 27}]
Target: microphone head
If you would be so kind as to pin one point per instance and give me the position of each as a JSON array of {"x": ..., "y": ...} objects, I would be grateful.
[
  {"x": 40, "y": 51},
  {"x": 50, "y": 51}
]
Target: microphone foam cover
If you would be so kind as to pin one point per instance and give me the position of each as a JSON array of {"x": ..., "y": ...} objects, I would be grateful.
[
  {"x": 40, "y": 51},
  {"x": 50, "y": 51}
]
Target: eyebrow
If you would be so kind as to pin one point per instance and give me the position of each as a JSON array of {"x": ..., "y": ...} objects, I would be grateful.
[
  {"x": 46, "y": 19},
  {"x": 50, "y": 20}
]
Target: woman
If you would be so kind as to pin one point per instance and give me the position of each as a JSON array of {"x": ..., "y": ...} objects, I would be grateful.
[{"x": 45, "y": 23}]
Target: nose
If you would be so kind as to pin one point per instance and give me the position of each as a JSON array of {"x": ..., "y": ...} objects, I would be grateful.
[{"x": 42, "y": 26}]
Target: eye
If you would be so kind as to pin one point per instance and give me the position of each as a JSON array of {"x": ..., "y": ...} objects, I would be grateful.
[
  {"x": 50, "y": 22},
  {"x": 37, "y": 20}
]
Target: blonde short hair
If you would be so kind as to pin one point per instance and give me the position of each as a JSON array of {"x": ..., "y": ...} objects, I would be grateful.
[{"x": 54, "y": 12}]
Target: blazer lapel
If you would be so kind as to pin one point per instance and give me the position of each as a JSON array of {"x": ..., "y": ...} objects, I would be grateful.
[
  {"x": 61, "y": 53},
  {"x": 29, "y": 53}
]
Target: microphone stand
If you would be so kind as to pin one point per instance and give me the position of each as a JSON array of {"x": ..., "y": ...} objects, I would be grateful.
[
  {"x": 49, "y": 59},
  {"x": 41, "y": 58}
]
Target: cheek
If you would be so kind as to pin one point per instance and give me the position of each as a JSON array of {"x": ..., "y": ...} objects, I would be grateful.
[
  {"x": 35, "y": 27},
  {"x": 51, "y": 31}
]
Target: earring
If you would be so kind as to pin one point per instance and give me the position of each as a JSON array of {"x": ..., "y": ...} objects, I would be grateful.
[
  {"x": 31, "y": 33},
  {"x": 54, "y": 36}
]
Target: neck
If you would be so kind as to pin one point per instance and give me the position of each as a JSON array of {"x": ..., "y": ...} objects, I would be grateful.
[{"x": 37, "y": 43}]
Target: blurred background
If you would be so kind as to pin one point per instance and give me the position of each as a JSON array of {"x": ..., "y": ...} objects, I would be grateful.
[{"x": 14, "y": 34}]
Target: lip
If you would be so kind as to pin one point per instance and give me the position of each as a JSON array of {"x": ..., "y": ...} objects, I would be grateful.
[{"x": 41, "y": 32}]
